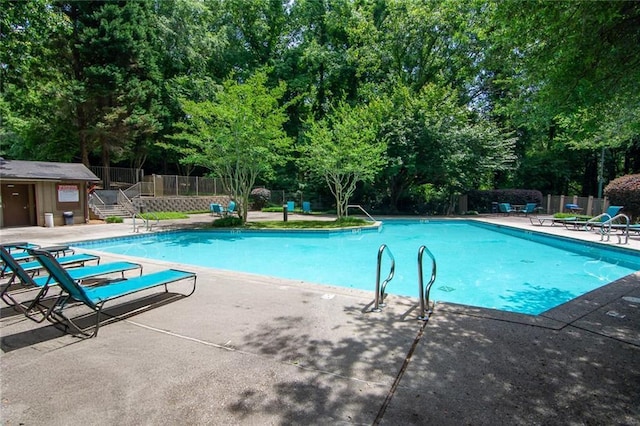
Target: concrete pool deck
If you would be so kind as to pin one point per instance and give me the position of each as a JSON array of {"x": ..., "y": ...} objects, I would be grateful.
[{"x": 247, "y": 349}]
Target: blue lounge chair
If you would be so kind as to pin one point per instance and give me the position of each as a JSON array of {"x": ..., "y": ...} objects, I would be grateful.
[
  {"x": 74, "y": 259},
  {"x": 573, "y": 208},
  {"x": 231, "y": 208},
  {"x": 45, "y": 282},
  {"x": 541, "y": 220},
  {"x": 506, "y": 208},
  {"x": 306, "y": 207},
  {"x": 594, "y": 222},
  {"x": 529, "y": 208},
  {"x": 216, "y": 209},
  {"x": 21, "y": 245},
  {"x": 291, "y": 206},
  {"x": 96, "y": 297},
  {"x": 23, "y": 255}
]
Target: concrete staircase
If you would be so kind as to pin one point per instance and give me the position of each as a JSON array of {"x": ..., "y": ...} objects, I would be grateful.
[{"x": 110, "y": 210}]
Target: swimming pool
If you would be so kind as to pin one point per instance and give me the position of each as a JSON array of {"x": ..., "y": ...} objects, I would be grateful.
[{"x": 478, "y": 264}]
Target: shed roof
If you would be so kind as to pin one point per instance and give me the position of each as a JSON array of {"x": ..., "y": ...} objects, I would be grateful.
[{"x": 18, "y": 169}]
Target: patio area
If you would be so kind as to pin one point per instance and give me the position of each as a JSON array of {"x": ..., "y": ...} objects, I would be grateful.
[{"x": 253, "y": 350}]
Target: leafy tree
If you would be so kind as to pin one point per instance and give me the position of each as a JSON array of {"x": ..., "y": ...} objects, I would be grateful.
[
  {"x": 344, "y": 148},
  {"x": 566, "y": 72},
  {"x": 238, "y": 135},
  {"x": 114, "y": 101},
  {"x": 32, "y": 83},
  {"x": 434, "y": 140}
]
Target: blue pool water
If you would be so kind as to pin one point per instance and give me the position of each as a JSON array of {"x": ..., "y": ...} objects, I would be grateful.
[{"x": 478, "y": 264}]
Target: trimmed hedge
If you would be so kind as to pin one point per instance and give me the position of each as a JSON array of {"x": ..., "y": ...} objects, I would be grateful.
[
  {"x": 481, "y": 200},
  {"x": 260, "y": 198},
  {"x": 625, "y": 191}
]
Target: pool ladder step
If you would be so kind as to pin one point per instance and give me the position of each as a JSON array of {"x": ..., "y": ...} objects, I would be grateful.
[{"x": 423, "y": 291}]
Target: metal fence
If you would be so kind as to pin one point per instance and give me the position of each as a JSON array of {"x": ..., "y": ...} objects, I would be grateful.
[
  {"x": 117, "y": 177},
  {"x": 135, "y": 181},
  {"x": 190, "y": 185},
  {"x": 179, "y": 186},
  {"x": 591, "y": 206}
]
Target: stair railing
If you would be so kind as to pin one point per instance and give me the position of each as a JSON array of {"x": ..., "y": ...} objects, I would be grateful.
[
  {"x": 96, "y": 204},
  {"x": 133, "y": 191},
  {"x": 125, "y": 202}
]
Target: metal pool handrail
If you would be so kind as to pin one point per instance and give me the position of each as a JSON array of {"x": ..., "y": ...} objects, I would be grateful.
[
  {"x": 380, "y": 288},
  {"x": 424, "y": 291},
  {"x": 358, "y": 206}
]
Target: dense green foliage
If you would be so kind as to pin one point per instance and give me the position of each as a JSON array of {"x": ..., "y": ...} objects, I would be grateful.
[
  {"x": 238, "y": 135},
  {"x": 477, "y": 94},
  {"x": 344, "y": 148},
  {"x": 227, "y": 222}
]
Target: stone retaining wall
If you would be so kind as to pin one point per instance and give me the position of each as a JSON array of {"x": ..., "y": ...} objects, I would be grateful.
[{"x": 178, "y": 204}]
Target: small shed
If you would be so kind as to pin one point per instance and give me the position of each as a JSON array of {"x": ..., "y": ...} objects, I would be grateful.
[{"x": 39, "y": 193}]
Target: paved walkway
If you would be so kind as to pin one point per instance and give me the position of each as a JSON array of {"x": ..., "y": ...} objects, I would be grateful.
[{"x": 250, "y": 350}]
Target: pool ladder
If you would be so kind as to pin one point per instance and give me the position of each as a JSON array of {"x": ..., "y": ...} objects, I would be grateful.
[
  {"x": 423, "y": 291},
  {"x": 381, "y": 287}
]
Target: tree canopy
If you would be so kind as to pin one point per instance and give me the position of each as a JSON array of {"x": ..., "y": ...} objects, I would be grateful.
[
  {"x": 239, "y": 135},
  {"x": 483, "y": 93}
]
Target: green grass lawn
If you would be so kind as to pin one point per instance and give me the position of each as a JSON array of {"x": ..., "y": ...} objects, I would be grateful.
[
  {"x": 234, "y": 221},
  {"x": 568, "y": 215},
  {"x": 164, "y": 215},
  {"x": 307, "y": 224}
]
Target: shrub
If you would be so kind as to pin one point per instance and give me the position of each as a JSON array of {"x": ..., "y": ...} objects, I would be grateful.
[
  {"x": 625, "y": 191},
  {"x": 227, "y": 222},
  {"x": 114, "y": 219},
  {"x": 260, "y": 197},
  {"x": 481, "y": 200}
]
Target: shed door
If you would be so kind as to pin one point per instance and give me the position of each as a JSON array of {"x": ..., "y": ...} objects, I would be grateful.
[{"x": 16, "y": 206}]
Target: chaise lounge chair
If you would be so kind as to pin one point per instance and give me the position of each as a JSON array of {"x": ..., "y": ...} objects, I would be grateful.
[
  {"x": 541, "y": 220},
  {"x": 24, "y": 255},
  {"x": 529, "y": 208},
  {"x": 594, "y": 222},
  {"x": 573, "y": 208},
  {"x": 506, "y": 208},
  {"x": 45, "y": 282},
  {"x": 96, "y": 297},
  {"x": 306, "y": 207},
  {"x": 73, "y": 259}
]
